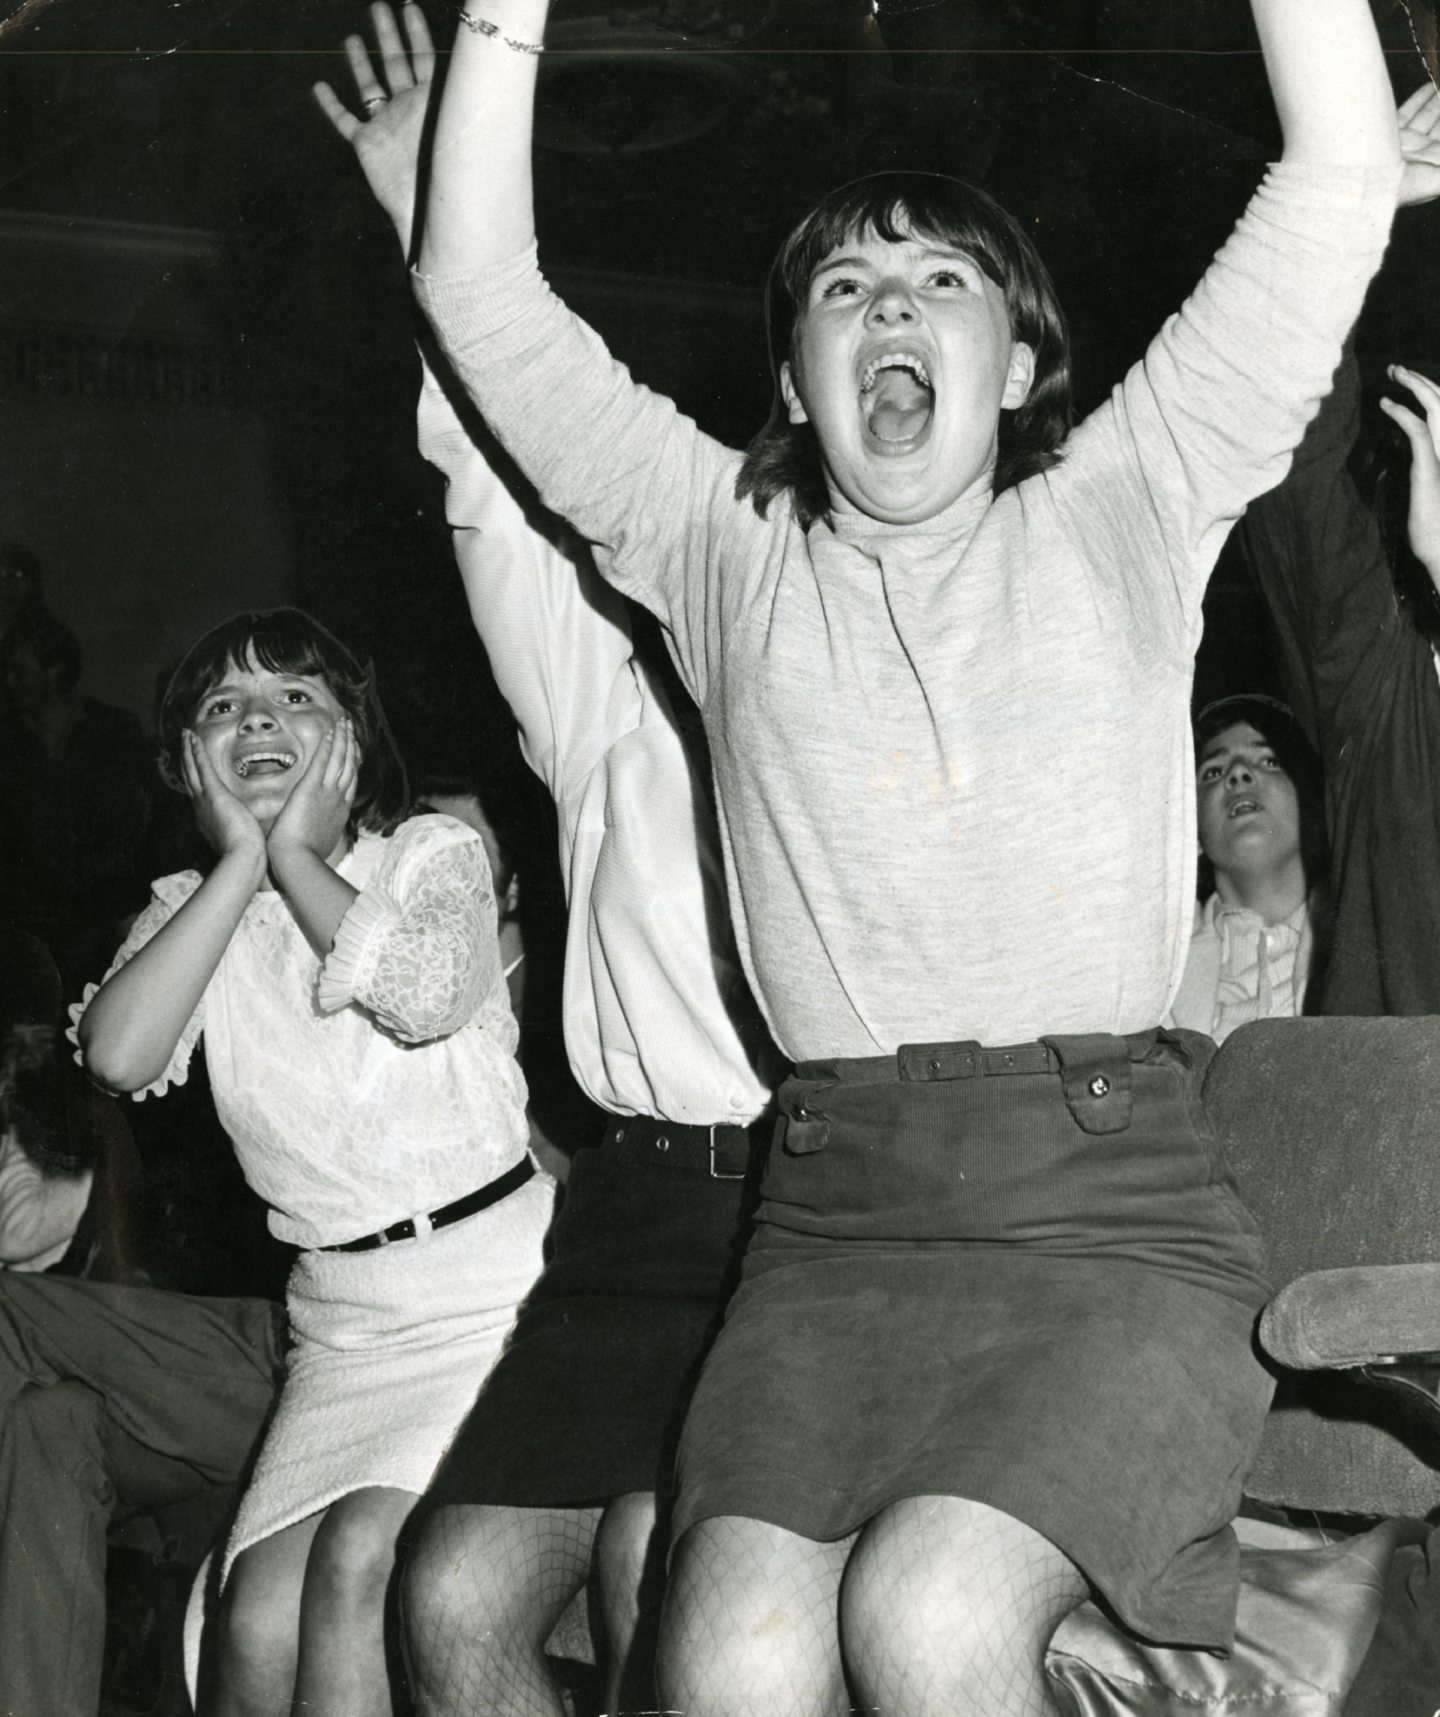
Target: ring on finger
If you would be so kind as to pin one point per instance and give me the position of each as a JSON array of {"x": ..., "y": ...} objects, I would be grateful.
[{"x": 373, "y": 103}]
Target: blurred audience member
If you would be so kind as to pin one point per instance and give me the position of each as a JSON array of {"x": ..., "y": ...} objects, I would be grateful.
[
  {"x": 1261, "y": 827},
  {"x": 115, "y": 1399},
  {"x": 1360, "y": 673},
  {"x": 74, "y": 798}
]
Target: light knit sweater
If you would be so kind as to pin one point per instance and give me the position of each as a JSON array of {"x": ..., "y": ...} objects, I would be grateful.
[{"x": 952, "y": 761}]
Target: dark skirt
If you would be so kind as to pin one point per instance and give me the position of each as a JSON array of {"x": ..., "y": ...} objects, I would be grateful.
[
  {"x": 587, "y": 1400},
  {"x": 1018, "y": 1276}
]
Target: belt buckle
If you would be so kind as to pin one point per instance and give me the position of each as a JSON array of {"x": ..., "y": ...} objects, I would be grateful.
[{"x": 715, "y": 1173}]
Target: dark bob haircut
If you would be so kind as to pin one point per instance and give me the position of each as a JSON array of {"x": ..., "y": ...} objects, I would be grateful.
[
  {"x": 1275, "y": 722},
  {"x": 289, "y": 641},
  {"x": 896, "y": 206}
]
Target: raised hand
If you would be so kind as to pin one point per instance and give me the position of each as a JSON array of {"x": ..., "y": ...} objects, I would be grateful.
[
  {"x": 387, "y": 139},
  {"x": 1423, "y": 434},
  {"x": 314, "y": 817},
  {"x": 1419, "y": 119},
  {"x": 227, "y": 824}
]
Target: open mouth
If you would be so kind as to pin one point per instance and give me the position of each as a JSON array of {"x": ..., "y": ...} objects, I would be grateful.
[
  {"x": 264, "y": 763},
  {"x": 897, "y": 396},
  {"x": 1243, "y": 808}
]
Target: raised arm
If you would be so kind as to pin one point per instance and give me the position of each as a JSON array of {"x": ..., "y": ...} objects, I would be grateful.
[
  {"x": 1316, "y": 555},
  {"x": 557, "y": 636},
  {"x": 1328, "y": 79},
  {"x": 1422, "y": 431},
  {"x": 481, "y": 207},
  {"x": 1314, "y": 547},
  {"x": 1210, "y": 420}
]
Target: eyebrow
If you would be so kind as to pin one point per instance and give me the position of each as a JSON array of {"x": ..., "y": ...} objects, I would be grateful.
[
  {"x": 838, "y": 262},
  {"x": 228, "y": 688}
]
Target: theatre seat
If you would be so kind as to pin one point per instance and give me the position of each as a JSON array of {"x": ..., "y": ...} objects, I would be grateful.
[{"x": 1332, "y": 1127}]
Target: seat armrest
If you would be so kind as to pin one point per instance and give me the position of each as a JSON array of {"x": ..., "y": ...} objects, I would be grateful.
[{"x": 1358, "y": 1316}]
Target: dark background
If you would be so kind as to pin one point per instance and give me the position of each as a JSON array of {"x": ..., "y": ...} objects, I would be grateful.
[{"x": 206, "y": 370}]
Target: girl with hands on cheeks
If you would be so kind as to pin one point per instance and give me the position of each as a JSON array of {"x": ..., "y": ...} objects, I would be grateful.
[{"x": 342, "y": 963}]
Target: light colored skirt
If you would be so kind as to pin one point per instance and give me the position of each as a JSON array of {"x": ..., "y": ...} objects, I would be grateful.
[{"x": 390, "y": 1348}]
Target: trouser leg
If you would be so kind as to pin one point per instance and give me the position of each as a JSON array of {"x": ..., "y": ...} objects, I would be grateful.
[
  {"x": 109, "y": 1398},
  {"x": 55, "y": 1503},
  {"x": 183, "y": 1375}
]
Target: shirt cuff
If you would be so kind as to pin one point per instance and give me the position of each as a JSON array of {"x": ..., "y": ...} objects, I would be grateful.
[
  {"x": 1305, "y": 197},
  {"x": 343, "y": 973}
]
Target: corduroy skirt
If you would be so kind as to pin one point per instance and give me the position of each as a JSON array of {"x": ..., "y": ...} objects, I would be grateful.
[{"x": 1021, "y": 1276}]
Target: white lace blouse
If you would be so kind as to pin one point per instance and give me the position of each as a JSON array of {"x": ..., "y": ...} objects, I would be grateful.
[{"x": 383, "y": 1082}]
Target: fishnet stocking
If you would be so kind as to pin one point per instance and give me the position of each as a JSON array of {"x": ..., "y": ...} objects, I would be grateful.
[
  {"x": 481, "y": 1591},
  {"x": 750, "y": 1624},
  {"x": 947, "y": 1608}
]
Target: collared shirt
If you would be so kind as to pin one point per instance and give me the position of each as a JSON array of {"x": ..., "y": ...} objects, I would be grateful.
[
  {"x": 658, "y": 1019},
  {"x": 1240, "y": 968}
]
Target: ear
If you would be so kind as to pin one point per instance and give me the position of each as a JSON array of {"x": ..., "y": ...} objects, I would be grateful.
[
  {"x": 1020, "y": 377},
  {"x": 791, "y": 394}
]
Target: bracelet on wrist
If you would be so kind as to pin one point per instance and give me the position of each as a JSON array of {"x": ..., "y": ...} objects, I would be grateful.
[{"x": 484, "y": 27}]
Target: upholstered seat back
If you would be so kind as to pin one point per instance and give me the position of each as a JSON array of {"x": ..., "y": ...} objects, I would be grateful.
[{"x": 1333, "y": 1129}]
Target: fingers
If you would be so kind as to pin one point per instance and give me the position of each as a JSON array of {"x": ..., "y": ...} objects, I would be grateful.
[
  {"x": 334, "y": 750},
  {"x": 367, "y": 85},
  {"x": 392, "y": 51},
  {"x": 317, "y": 763},
  {"x": 1421, "y": 386},
  {"x": 208, "y": 780},
  {"x": 422, "y": 49},
  {"x": 1413, "y": 426},
  {"x": 350, "y": 765},
  {"x": 188, "y": 747},
  {"x": 336, "y": 111},
  {"x": 1422, "y": 109}
]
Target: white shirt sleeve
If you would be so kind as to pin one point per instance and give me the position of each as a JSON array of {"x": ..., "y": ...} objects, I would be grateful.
[
  {"x": 419, "y": 948},
  {"x": 557, "y": 635}
]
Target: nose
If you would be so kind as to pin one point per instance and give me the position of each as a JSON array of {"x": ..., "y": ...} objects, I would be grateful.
[
  {"x": 891, "y": 303},
  {"x": 1239, "y": 774},
  {"x": 256, "y": 718}
]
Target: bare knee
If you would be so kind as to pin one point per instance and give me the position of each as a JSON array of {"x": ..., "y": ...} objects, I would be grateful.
[
  {"x": 255, "y": 1639},
  {"x": 352, "y": 1558}
]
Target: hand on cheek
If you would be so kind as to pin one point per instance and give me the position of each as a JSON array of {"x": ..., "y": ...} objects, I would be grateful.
[
  {"x": 223, "y": 820},
  {"x": 314, "y": 817}
]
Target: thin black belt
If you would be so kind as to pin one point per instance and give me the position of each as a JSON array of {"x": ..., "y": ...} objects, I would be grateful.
[
  {"x": 722, "y": 1147},
  {"x": 484, "y": 1196}
]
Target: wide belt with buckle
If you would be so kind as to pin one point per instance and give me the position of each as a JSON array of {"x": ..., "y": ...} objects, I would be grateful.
[
  {"x": 481, "y": 1199},
  {"x": 722, "y": 1148}
]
